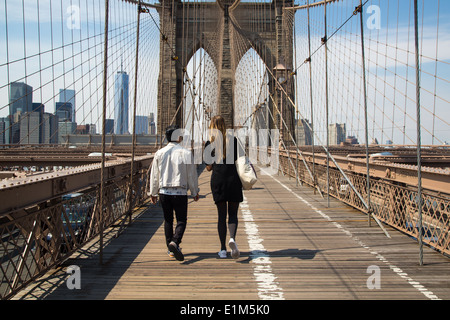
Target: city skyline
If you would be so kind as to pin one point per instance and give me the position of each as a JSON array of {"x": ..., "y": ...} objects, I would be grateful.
[
  {"x": 64, "y": 112},
  {"x": 36, "y": 126},
  {"x": 72, "y": 66}
]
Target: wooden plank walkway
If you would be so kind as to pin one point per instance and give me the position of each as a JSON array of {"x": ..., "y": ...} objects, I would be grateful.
[{"x": 292, "y": 247}]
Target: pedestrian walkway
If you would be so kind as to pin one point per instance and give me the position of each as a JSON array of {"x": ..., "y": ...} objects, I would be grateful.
[{"x": 292, "y": 247}]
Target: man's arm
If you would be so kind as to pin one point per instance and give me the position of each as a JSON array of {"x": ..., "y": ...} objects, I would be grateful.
[
  {"x": 154, "y": 180},
  {"x": 192, "y": 178}
]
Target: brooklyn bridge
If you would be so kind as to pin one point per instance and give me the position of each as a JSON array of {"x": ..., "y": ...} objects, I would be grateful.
[{"x": 343, "y": 108}]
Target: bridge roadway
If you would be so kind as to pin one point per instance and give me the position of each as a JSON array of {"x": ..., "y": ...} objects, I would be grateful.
[{"x": 292, "y": 247}]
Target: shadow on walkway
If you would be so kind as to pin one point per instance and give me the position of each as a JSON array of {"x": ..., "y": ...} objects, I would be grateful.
[
  {"x": 247, "y": 257},
  {"x": 98, "y": 280}
]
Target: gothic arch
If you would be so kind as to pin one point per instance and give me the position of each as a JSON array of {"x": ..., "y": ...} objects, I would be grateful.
[{"x": 213, "y": 31}]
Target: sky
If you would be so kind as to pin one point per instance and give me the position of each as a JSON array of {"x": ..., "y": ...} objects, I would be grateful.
[
  {"x": 390, "y": 70},
  {"x": 48, "y": 32},
  {"x": 63, "y": 46}
]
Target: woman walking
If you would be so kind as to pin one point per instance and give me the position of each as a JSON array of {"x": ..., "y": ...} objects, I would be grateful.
[{"x": 226, "y": 187}]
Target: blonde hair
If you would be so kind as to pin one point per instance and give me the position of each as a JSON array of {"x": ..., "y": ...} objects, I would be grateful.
[{"x": 218, "y": 123}]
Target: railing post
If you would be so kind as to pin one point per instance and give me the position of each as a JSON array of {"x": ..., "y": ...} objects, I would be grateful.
[{"x": 105, "y": 87}]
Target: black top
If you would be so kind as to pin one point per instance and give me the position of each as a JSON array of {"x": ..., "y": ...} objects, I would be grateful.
[{"x": 225, "y": 182}]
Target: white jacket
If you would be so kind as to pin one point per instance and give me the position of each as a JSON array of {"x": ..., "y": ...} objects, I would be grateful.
[{"x": 173, "y": 166}]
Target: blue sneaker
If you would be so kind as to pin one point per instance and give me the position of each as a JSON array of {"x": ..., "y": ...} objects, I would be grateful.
[{"x": 222, "y": 254}]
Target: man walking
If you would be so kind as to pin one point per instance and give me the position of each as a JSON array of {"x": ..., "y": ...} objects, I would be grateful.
[{"x": 173, "y": 172}]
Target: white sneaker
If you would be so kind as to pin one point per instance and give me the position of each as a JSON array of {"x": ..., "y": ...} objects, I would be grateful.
[
  {"x": 234, "y": 249},
  {"x": 222, "y": 254}
]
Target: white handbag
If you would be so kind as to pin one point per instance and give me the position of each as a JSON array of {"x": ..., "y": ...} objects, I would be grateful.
[{"x": 246, "y": 172}]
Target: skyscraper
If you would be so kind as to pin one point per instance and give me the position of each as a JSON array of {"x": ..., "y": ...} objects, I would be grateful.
[
  {"x": 151, "y": 123},
  {"x": 67, "y": 95},
  {"x": 303, "y": 132},
  {"x": 2, "y": 132},
  {"x": 14, "y": 134},
  {"x": 50, "y": 128},
  {"x": 121, "y": 103},
  {"x": 337, "y": 133},
  {"x": 141, "y": 125},
  {"x": 38, "y": 107},
  {"x": 6, "y": 131},
  {"x": 109, "y": 126},
  {"x": 64, "y": 111},
  {"x": 30, "y": 128},
  {"x": 20, "y": 98},
  {"x": 64, "y": 130}
]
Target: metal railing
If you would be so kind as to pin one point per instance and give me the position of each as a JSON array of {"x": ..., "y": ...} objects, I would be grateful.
[
  {"x": 394, "y": 203},
  {"x": 41, "y": 236}
]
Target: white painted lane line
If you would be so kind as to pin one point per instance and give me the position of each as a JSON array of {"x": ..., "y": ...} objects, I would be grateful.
[
  {"x": 268, "y": 287},
  {"x": 427, "y": 293}
]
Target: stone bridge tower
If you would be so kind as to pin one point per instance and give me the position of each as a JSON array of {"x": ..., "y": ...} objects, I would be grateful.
[{"x": 261, "y": 26}]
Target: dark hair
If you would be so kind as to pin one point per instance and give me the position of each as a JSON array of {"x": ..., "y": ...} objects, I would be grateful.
[{"x": 169, "y": 132}]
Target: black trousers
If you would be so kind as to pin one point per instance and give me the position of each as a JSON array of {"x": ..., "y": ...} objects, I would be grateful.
[
  {"x": 170, "y": 204},
  {"x": 223, "y": 208}
]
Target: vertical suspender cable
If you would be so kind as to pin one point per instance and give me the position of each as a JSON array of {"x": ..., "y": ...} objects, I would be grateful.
[
  {"x": 435, "y": 73},
  {"x": 361, "y": 11},
  {"x": 8, "y": 129},
  {"x": 297, "y": 117},
  {"x": 105, "y": 77},
  {"x": 161, "y": 98},
  {"x": 311, "y": 99},
  {"x": 325, "y": 40},
  {"x": 419, "y": 143},
  {"x": 130, "y": 194},
  {"x": 28, "y": 108}
]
